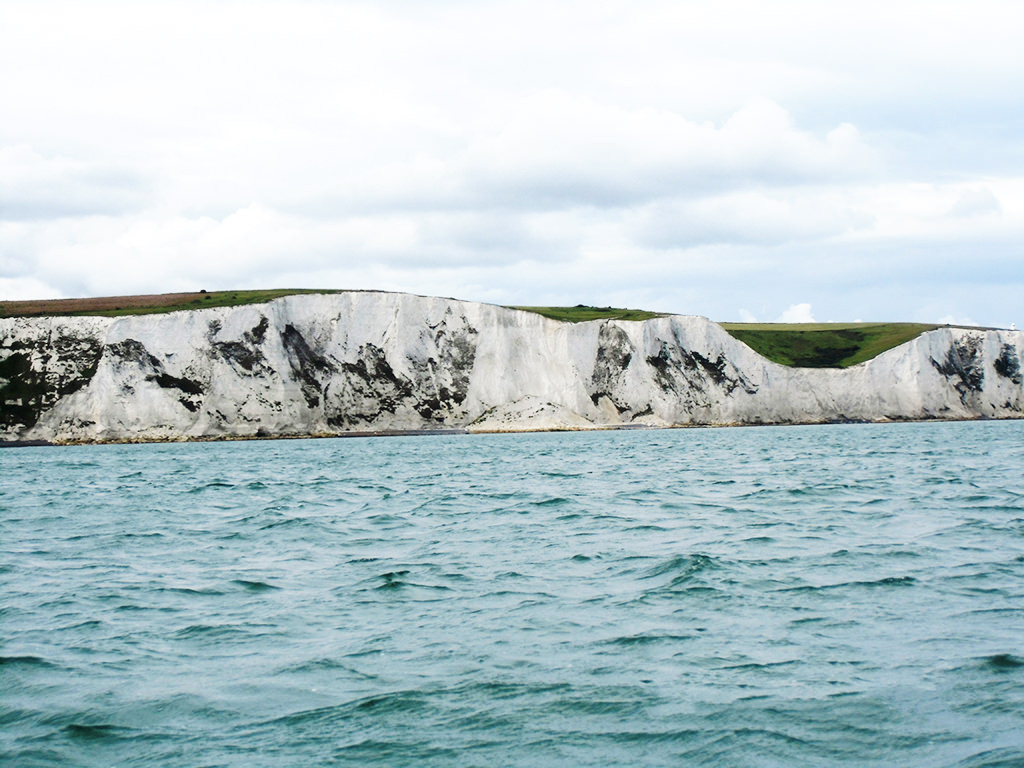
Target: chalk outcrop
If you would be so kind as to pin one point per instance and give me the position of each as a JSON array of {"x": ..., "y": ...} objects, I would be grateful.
[{"x": 371, "y": 362}]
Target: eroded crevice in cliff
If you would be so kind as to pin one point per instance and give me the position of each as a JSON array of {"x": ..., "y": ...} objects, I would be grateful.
[
  {"x": 35, "y": 376},
  {"x": 311, "y": 369},
  {"x": 365, "y": 390},
  {"x": 964, "y": 367},
  {"x": 679, "y": 376},
  {"x": 456, "y": 355},
  {"x": 131, "y": 352},
  {"x": 689, "y": 377},
  {"x": 718, "y": 370},
  {"x": 23, "y": 391},
  {"x": 441, "y": 380},
  {"x": 614, "y": 353},
  {"x": 1007, "y": 364},
  {"x": 191, "y": 391},
  {"x": 244, "y": 354}
]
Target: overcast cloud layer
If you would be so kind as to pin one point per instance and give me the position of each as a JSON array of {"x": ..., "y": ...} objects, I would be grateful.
[{"x": 740, "y": 160}]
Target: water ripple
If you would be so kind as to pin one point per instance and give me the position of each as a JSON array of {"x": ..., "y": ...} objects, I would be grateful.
[{"x": 810, "y": 596}]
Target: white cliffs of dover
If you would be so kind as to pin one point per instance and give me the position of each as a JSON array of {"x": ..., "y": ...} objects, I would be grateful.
[{"x": 373, "y": 362}]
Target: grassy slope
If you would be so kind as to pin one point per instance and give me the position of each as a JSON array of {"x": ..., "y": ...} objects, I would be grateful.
[
  {"x": 807, "y": 345},
  {"x": 824, "y": 345},
  {"x": 812, "y": 345}
]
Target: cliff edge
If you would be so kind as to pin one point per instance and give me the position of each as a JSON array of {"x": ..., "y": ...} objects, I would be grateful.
[{"x": 328, "y": 364}]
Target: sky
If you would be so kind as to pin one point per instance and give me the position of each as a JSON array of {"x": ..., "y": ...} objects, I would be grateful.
[{"x": 758, "y": 161}]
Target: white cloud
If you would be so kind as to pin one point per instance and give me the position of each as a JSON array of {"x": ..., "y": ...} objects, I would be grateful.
[
  {"x": 551, "y": 150},
  {"x": 751, "y": 216},
  {"x": 36, "y": 187},
  {"x": 976, "y": 202},
  {"x": 956, "y": 320},
  {"x": 797, "y": 313},
  {"x": 680, "y": 156},
  {"x": 16, "y": 289},
  {"x": 554, "y": 149}
]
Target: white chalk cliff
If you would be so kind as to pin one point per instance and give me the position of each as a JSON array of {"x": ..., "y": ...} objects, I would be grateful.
[{"x": 367, "y": 361}]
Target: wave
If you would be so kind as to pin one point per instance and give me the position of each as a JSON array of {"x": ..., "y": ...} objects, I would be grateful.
[
  {"x": 254, "y": 586},
  {"x": 1003, "y": 757},
  {"x": 1003, "y": 661},
  {"x": 28, "y": 661},
  {"x": 98, "y": 732},
  {"x": 442, "y": 603},
  {"x": 885, "y": 581},
  {"x": 649, "y": 638}
]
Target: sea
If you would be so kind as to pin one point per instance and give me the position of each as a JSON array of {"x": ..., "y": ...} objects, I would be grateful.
[{"x": 842, "y": 595}]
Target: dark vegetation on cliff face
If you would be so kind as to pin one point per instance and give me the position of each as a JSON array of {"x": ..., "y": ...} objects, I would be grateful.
[
  {"x": 34, "y": 376},
  {"x": 133, "y": 353},
  {"x": 1007, "y": 365},
  {"x": 964, "y": 366},
  {"x": 245, "y": 354}
]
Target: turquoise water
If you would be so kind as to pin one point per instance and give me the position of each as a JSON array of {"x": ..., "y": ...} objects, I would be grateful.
[{"x": 804, "y": 596}]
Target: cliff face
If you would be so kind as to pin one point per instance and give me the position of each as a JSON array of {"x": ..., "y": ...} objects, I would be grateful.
[{"x": 363, "y": 361}]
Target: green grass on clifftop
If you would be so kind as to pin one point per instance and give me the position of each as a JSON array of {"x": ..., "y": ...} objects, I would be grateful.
[
  {"x": 804, "y": 345},
  {"x": 824, "y": 345},
  {"x": 581, "y": 314},
  {"x": 114, "y": 306}
]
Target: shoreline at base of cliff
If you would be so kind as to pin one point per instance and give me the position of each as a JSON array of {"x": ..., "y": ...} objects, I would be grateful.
[{"x": 470, "y": 432}]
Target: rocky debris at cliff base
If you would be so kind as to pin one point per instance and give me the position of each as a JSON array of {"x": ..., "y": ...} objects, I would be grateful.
[{"x": 531, "y": 414}]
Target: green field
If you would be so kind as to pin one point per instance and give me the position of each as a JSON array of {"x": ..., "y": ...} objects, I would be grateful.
[
  {"x": 824, "y": 345},
  {"x": 804, "y": 345},
  {"x": 581, "y": 314},
  {"x": 115, "y": 306},
  {"x": 807, "y": 345}
]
